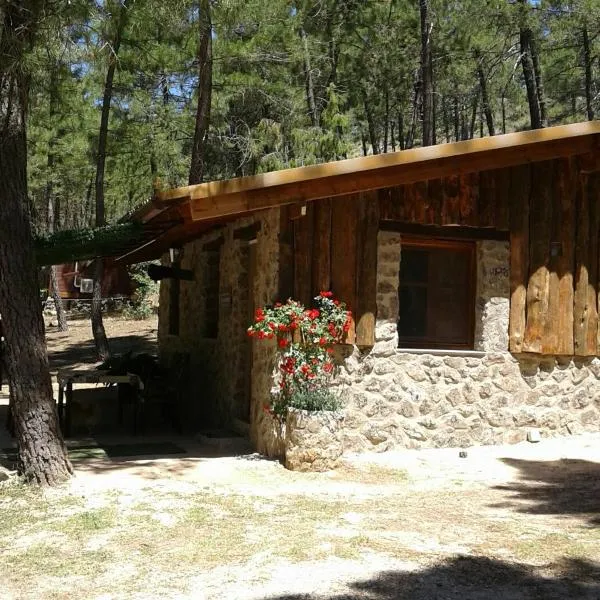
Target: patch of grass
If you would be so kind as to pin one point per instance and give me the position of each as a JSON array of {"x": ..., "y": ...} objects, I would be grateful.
[
  {"x": 546, "y": 548},
  {"x": 52, "y": 559},
  {"x": 89, "y": 521},
  {"x": 371, "y": 474}
]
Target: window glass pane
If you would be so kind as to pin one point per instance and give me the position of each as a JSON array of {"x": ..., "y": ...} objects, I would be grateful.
[
  {"x": 449, "y": 285},
  {"x": 414, "y": 265},
  {"x": 413, "y": 311},
  {"x": 435, "y": 296}
]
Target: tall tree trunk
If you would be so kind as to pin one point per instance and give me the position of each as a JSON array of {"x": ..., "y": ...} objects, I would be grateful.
[
  {"x": 474, "y": 116},
  {"x": 309, "y": 83},
  {"x": 371, "y": 124},
  {"x": 526, "y": 47},
  {"x": 446, "y": 122},
  {"x": 387, "y": 120},
  {"x": 204, "y": 95},
  {"x": 363, "y": 140},
  {"x": 100, "y": 339},
  {"x": 587, "y": 68},
  {"x": 487, "y": 110},
  {"x": 456, "y": 120},
  {"x": 42, "y": 453},
  {"x": 53, "y": 220},
  {"x": 401, "y": 140},
  {"x": 426, "y": 73},
  {"x": 539, "y": 82},
  {"x": 410, "y": 137}
]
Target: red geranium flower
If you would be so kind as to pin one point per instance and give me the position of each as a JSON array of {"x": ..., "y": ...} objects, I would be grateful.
[
  {"x": 282, "y": 343},
  {"x": 326, "y": 294}
]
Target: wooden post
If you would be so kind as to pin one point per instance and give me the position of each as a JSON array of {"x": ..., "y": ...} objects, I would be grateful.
[
  {"x": 539, "y": 256},
  {"x": 565, "y": 181},
  {"x": 321, "y": 252},
  {"x": 303, "y": 246},
  {"x": 366, "y": 269},
  {"x": 520, "y": 189},
  {"x": 344, "y": 253},
  {"x": 586, "y": 270}
]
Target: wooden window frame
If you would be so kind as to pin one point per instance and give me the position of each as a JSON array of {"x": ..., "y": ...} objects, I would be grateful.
[{"x": 468, "y": 246}]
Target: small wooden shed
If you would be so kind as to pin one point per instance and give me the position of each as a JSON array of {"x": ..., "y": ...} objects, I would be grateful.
[{"x": 471, "y": 269}]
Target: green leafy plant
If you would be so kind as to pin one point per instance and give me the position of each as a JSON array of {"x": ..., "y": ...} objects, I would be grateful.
[
  {"x": 305, "y": 341},
  {"x": 145, "y": 288}
]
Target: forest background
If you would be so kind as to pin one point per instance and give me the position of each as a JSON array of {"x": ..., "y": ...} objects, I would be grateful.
[
  {"x": 103, "y": 100},
  {"x": 287, "y": 84}
]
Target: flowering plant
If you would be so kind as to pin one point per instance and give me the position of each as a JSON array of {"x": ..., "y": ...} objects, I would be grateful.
[{"x": 305, "y": 340}]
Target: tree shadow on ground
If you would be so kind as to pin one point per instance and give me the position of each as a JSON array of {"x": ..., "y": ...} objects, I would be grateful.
[
  {"x": 85, "y": 352},
  {"x": 561, "y": 487},
  {"x": 475, "y": 578}
]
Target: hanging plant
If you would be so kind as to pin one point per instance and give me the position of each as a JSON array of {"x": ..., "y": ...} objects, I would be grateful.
[{"x": 305, "y": 345}]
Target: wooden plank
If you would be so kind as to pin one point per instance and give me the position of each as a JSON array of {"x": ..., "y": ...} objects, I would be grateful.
[
  {"x": 502, "y": 198},
  {"x": 344, "y": 217},
  {"x": 520, "y": 189},
  {"x": 410, "y": 203},
  {"x": 468, "y": 194},
  {"x": 399, "y": 202},
  {"x": 594, "y": 201},
  {"x": 586, "y": 267},
  {"x": 366, "y": 270},
  {"x": 594, "y": 275},
  {"x": 539, "y": 257},
  {"x": 551, "y": 342},
  {"x": 421, "y": 202},
  {"x": 487, "y": 199},
  {"x": 385, "y": 203},
  {"x": 435, "y": 196},
  {"x": 321, "y": 254},
  {"x": 285, "y": 287},
  {"x": 456, "y": 232},
  {"x": 564, "y": 251},
  {"x": 451, "y": 200},
  {"x": 303, "y": 237}
]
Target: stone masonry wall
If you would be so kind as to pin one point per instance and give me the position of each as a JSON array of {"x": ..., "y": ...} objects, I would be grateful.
[
  {"x": 394, "y": 398},
  {"x": 216, "y": 365}
]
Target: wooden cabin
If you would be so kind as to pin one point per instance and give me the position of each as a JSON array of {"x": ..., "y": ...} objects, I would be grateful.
[
  {"x": 471, "y": 269},
  {"x": 116, "y": 282}
]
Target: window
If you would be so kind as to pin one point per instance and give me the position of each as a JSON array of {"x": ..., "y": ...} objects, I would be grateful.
[{"x": 436, "y": 294}]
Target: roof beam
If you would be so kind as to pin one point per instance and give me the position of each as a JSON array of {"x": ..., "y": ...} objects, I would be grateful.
[{"x": 287, "y": 188}]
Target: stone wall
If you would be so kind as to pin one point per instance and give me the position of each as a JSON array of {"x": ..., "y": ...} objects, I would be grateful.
[
  {"x": 398, "y": 398},
  {"x": 216, "y": 379},
  {"x": 392, "y": 397}
]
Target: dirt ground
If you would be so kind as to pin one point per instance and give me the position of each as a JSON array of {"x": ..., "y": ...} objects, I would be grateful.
[
  {"x": 510, "y": 523},
  {"x": 515, "y": 522},
  {"x": 76, "y": 347}
]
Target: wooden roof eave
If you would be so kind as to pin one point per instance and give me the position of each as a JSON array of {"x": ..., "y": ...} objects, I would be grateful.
[{"x": 247, "y": 194}]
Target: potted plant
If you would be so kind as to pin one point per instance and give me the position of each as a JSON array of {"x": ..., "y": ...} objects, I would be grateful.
[{"x": 302, "y": 400}]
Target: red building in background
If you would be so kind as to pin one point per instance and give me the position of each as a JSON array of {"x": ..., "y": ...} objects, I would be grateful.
[{"x": 75, "y": 280}]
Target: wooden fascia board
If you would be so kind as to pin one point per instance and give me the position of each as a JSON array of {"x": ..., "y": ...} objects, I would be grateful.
[
  {"x": 381, "y": 161},
  {"x": 289, "y": 192}
]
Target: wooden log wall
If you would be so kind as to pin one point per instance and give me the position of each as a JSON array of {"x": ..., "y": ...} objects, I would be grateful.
[
  {"x": 471, "y": 199},
  {"x": 335, "y": 248},
  {"x": 554, "y": 236},
  {"x": 551, "y": 210}
]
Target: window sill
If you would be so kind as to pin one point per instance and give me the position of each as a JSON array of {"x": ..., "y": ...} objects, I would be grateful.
[{"x": 443, "y": 352}]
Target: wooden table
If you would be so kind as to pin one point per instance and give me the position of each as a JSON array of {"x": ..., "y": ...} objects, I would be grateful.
[{"x": 67, "y": 378}]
